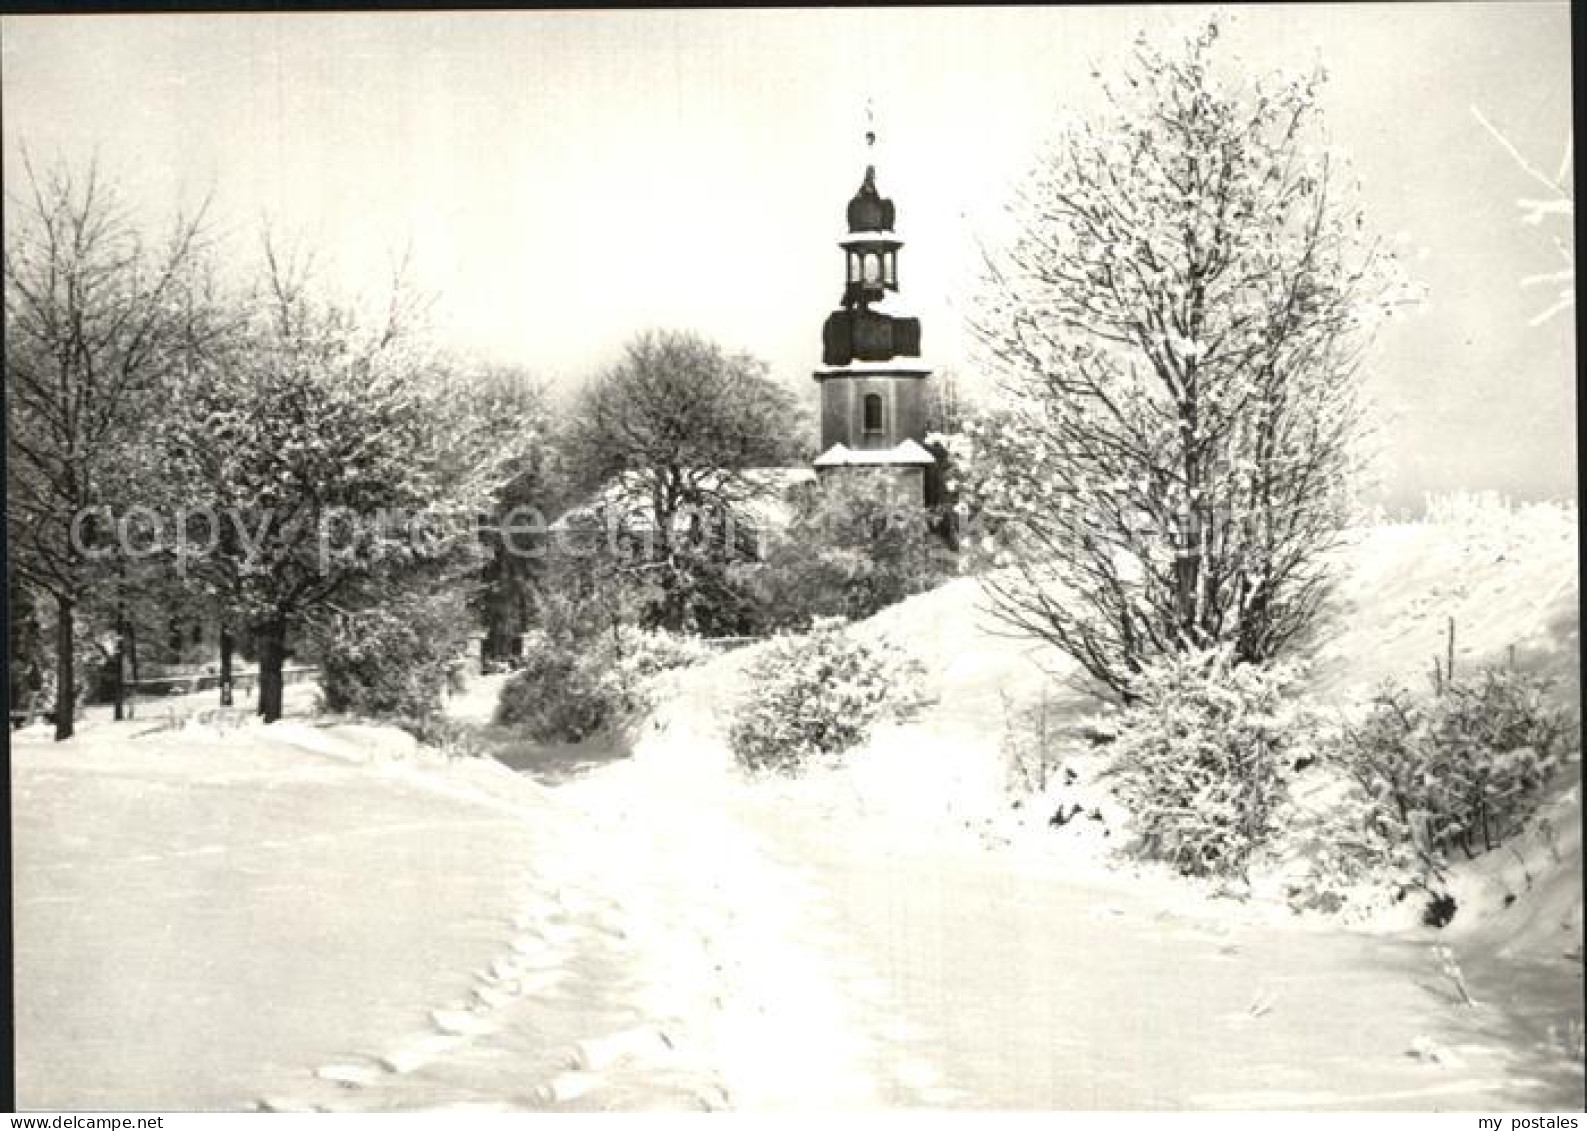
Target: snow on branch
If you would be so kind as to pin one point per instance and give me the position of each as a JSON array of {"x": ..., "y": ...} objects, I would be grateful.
[{"x": 1559, "y": 203}]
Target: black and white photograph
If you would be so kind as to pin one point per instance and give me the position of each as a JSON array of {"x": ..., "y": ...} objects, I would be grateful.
[{"x": 793, "y": 560}]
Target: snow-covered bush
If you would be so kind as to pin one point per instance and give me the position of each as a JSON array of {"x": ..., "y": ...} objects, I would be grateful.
[
  {"x": 1464, "y": 768},
  {"x": 567, "y": 691},
  {"x": 548, "y": 696},
  {"x": 818, "y": 695},
  {"x": 1354, "y": 852},
  {"x": 857, "y": 543},
  {"x": 454, "y": 738},
  {"x": 396, "y": 659},
  {"x": 1203, "y": 756},
  {"x": 1420, "y": 776},
  {"x": 619, "y": 664}
]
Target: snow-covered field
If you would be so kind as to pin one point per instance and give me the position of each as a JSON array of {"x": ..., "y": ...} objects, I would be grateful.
[
  {"x": 201, "y": 915},
  {"x": 325, "y": 915}
]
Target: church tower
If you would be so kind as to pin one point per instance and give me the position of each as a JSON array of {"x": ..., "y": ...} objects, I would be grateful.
[{"x": 873, "y": 411}]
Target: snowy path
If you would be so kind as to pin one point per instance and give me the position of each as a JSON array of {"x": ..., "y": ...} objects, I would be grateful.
[
  {"x": 817, "y": 961},
  {"x": 303, "y": 917},
  {"x": 660, "y": 960},
  {"x": 1034, "y": 991},
  {"x": 801, "y": 959}
]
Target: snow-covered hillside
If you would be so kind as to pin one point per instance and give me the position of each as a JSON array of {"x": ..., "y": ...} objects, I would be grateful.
[{"x": 1508, "y": 578}]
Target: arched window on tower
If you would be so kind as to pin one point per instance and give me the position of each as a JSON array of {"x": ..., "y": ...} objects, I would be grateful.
[
  {"x": 854, "y": 267},
  {"x": 873, "y": 268},
  {"x": 890, "y": 269},
  {"x": 871, "y": 414}
]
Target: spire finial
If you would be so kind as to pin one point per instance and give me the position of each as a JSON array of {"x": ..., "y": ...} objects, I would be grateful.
[{"x": 870, "y": 124}]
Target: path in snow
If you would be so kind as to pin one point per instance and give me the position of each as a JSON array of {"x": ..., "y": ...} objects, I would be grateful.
[
  {"x": 317, "y": 917},
  {"x": 1037, "y": 991},
  {"x": 813, "y": 959},
  {"x": 660, "y": 959},
  {"x": 300, "y": 917}
]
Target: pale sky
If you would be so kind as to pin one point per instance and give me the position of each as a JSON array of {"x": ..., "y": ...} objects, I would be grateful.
[{"x": 568, "y": 178}]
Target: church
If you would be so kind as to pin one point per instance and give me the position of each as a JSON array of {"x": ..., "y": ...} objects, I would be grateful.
[
  {"x": 872, "y": 379},
  {"x": 872, "y": 385}
]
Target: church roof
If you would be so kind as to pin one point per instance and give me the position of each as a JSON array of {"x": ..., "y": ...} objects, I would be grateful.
[
  {"x": 899, "y": 366},
  {"x": 906, "y": 454}
]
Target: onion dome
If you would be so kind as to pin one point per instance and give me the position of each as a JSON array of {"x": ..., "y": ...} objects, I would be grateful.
[{"x": 869, "y": 211}]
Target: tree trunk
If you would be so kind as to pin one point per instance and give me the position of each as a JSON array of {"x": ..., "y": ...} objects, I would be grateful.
[
  {"x": 120, "y": 662},
  {"x": 132, "y": 649},
  {"x": 120, "y": 659},
  {"x": 1255, "y": 616},
  {"x": 225, "y": 666},
  {"x": 65, "y": 670},
  {"x": 1186, "y": 566},
  {"x": 272, "y": 636}
]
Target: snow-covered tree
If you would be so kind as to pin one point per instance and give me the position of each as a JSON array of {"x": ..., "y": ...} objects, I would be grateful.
[
  {"x": 1177, "y": 330},
  {"x": 947, "y": 407},
  {"x": 94, "y": 320},
  {"x": 324, "y": 462},
  {"x": 668, "y": 434},
  {"x": 511, "y": 414}
]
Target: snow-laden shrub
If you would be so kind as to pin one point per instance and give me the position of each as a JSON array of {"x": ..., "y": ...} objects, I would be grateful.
[
  {"x": 394, "y": 660},
  {"x": 566, "y": 691},
  {"x": 549, "y": 696},
  {"x": 622, "y": 663},
  {"x": 453, "y": 738},
  {"x": 1420, "y": 776},
  {"x": 1492, "y": 513},
  {"x": 1355, "y": 853},
  {"x": 1203, "y": 756},
  {"x": 1464, "y": 768},
  {"x": 819, "y": 695},
  {"x": 856, "y": 544}
]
